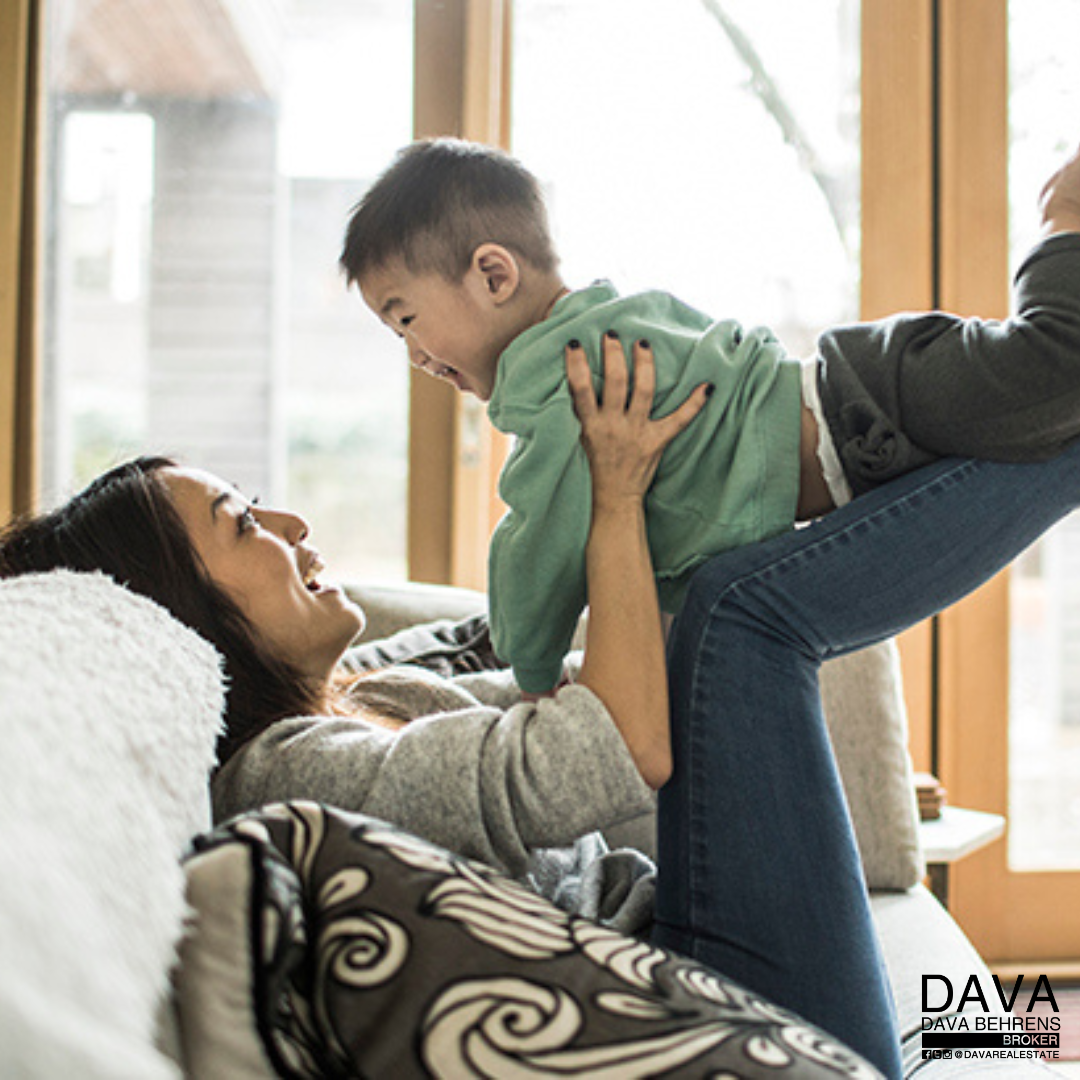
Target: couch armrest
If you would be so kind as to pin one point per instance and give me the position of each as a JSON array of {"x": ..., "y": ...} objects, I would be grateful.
[{"x": 394, "y": 606}]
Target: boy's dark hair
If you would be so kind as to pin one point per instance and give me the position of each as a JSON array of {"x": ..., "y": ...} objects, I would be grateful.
[{"x": 438, "y": 202}]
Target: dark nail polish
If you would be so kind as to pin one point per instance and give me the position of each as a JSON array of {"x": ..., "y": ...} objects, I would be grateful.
[
  {"x": 644, "y": 344},
  {"x": 575, "y": 344},
  {"x": 710, "y": 389},
  {"x": 614, "y": 336}
]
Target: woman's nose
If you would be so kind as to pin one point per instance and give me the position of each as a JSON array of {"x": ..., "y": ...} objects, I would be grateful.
[
  {"x": 298, "y": 529},
  {"x": 289, "y": 526}
]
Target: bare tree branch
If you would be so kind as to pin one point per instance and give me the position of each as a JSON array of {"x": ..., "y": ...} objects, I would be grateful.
[{"x": 772, "y": 98}]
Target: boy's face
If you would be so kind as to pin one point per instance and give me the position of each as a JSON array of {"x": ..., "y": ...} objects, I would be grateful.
[{"x": 451, "y": 330}]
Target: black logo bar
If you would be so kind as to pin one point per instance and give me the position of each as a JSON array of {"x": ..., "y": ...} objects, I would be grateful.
[{"x": 992, "y": 1040}]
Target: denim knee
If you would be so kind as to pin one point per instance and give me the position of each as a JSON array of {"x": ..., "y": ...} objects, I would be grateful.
[{"x": 716, "y": 578}]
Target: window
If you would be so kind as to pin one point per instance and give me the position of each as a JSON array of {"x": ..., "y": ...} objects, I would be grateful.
[
  {"x": 691, "y": 147},
  {"x": 203, "y": 160},
  {"x": 1044, "y": 698}
]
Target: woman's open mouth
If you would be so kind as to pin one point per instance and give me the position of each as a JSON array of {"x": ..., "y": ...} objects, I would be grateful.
[{"x": 311, "y": 581}]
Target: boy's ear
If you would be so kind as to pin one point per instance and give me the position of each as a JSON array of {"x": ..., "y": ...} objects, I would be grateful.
[{"x": 498, "y": 270}]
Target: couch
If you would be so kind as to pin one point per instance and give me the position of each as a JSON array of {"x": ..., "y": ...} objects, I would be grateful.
[{"x": 138, "y": 941}]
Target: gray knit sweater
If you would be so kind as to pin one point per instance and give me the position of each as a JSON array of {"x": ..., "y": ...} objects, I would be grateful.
[
  {"x": 523, "y": 787},
  {"x": 901, "y": 392}
]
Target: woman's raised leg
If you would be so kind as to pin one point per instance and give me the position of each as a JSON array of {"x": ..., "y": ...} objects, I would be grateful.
[{"x": 759, "y": 872}]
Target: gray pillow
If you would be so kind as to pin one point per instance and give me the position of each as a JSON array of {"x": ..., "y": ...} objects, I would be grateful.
[{"x": 863, "y": 697}]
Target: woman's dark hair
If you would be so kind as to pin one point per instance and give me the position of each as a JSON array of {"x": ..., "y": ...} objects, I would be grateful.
[{"x": 126, "y": 525}]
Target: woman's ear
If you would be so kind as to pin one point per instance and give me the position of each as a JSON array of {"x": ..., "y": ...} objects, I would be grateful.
[{"x": 496, "y": 270}]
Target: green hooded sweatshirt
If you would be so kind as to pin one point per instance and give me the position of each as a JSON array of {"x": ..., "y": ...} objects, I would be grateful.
[{"x": 729, "y": 479}]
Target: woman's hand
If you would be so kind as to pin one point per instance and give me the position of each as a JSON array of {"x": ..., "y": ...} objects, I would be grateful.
[
  {"x": 1060, "y": 199},
  {"x": 624, "y": 651},
  {"x": 623, "y": 444}
]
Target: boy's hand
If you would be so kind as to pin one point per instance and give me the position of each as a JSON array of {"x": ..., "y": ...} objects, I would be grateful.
[{"x": 1060, "y": 199}]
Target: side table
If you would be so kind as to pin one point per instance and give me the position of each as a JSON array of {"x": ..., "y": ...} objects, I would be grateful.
[{"x": 949, "y": 838}]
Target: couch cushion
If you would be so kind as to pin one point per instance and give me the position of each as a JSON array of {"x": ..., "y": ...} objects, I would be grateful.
[
  {"x": 109, "y": 713},
  {"x": 919, "y": 938},
  {"x": 215, "y": 999},
  {"x": 391, "y": 607}
]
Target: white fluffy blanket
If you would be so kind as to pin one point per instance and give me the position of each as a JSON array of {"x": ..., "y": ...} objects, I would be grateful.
[{"x": 109, "y": 711}]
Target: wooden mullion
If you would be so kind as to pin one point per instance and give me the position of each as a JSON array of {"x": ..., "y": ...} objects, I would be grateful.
[
  {"x": 897, "y": 157},
  {"x": 15, "y": 23},
  {"x": 462, "y": 89},
  {"x": 973, "y": 279},
  {"x": 438, "y": 106},
  {"x": 898, "y": 235},
  {"x": 479, "y": 450},
  {"x": 28, "y": 375}
]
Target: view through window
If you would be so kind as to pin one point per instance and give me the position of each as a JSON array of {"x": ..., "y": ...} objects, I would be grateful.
[
  {"x": 689, "y": 146},
  {"x": 203, "y": 156}
]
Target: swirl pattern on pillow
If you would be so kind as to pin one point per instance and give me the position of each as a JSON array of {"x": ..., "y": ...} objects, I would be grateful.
[{"x": 408, "y": 961}]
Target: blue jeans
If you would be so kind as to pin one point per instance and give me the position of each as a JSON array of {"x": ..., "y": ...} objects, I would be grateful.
[{"x": 759, "y": 871}]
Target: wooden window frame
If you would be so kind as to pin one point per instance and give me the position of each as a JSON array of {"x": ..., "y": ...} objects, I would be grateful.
[
  {"x": 20, "y": 170},
  {"x": 898, "y": 240},
  {"x": 462, "y": 89}
]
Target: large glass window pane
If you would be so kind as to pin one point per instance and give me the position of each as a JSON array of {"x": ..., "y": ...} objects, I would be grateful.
[
  {"x": 1044, "y": 719},
  {"x": 203, "y": 157},
  {"x": 706, "y": 148}
]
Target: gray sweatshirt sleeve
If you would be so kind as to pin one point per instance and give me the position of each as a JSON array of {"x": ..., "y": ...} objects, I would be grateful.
[
  {"x": 489, "y": 784},
  {"x": 900, "y": 392},
  {"x": 499, "y": 689}
]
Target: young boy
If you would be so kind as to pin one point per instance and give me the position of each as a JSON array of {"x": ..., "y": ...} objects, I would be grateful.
[{"x": 451, "y": 249}]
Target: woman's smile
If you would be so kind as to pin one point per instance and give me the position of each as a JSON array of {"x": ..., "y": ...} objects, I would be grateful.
[{"x": 259, "y": 556}]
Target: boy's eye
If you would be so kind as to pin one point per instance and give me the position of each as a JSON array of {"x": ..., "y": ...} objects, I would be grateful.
[{"x": 405, "y": 321}]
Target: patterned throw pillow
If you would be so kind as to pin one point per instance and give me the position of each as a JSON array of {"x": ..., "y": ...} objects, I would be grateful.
[{"x": 372, "y": 953}]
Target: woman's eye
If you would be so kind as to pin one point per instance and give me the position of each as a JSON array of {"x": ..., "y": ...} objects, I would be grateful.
[
  {"x": 247, "y": 519},
  {"x": 406, "y": 321}
]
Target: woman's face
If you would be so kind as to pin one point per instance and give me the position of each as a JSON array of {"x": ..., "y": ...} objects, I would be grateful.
[{"x": 259, "y": 557}]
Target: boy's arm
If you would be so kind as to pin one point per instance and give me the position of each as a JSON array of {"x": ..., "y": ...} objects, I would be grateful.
[{"x": 536, "y": 566}]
